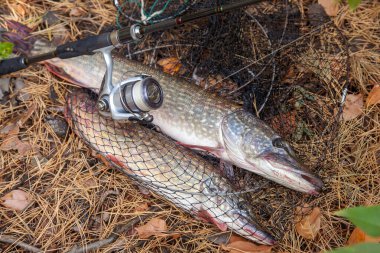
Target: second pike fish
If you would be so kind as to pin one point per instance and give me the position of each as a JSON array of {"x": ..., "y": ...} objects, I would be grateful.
[
  {"x": 164, "y": 167},
  {"x": 201, "y": 120}
]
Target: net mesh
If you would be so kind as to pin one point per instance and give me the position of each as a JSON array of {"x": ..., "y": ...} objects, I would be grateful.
[
  {"x": 147, "y": 12},
  {"x": 289, "y": 69},
  {"x": 159, "y": 164}
]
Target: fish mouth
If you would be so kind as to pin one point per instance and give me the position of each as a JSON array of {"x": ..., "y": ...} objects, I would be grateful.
[
  {"x": 293, "y": 174},
  {"x": 253, "y": 231}
]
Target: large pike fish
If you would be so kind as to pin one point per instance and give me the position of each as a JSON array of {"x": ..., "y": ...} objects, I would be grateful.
[
  {"x": 164, "y": 167},
  {"x": 201, "y": 120}
]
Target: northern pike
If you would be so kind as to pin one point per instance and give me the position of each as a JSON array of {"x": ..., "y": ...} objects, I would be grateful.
[
  {"x": 199, "y": 120},
  {"x": 171, "y": 170},
  {"x": 203, "y": 121}
]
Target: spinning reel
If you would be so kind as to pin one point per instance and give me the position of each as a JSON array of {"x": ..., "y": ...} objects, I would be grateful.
[{"x": 130, "y": 99}]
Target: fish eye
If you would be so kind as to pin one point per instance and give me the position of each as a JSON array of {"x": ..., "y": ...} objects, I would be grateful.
[{"x": 278, "y": 143}]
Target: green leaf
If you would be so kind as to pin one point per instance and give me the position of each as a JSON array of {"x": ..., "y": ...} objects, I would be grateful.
[
  {"x": 366, "y": 218},
  {"x": 5, "y": 49},
  {"x": 358, "y": 248},
  {"x": 353, "y": 4}
]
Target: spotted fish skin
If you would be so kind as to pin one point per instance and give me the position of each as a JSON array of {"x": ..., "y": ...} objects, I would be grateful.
[
  {"x": 161, "y": 165},
  {"x": 203, "y": 121}
]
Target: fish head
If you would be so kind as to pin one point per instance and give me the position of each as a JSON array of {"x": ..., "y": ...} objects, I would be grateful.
[
  {"x": 253, "y": 145},
  {"x": 229, "y": 210}
]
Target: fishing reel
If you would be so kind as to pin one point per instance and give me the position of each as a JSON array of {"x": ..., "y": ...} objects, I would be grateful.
[{"x": 130, "y": 99}]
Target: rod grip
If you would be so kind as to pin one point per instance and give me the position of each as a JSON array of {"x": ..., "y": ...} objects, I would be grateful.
[
  {"x": 12, "y": 65},
  {"x": 85, "y": 46}
]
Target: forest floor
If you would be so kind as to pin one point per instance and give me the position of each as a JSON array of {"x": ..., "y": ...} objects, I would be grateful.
[{"x": 56, "y": 196}]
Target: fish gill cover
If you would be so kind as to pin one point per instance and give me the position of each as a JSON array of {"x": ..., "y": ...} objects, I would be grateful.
[{"x": 288, "y": 69}]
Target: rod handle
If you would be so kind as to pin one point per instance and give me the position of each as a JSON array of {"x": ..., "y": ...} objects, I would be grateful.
[{"x": 12, "y": 65}]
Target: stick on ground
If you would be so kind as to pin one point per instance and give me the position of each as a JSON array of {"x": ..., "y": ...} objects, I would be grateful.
[
  {"x": 15, "y": 241},
  {"x": 116, "y": 233}
]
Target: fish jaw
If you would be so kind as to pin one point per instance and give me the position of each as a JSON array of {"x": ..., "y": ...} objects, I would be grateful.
[
  {"x": 286, "y": 172},
  {"x": 252, "y": 145}
]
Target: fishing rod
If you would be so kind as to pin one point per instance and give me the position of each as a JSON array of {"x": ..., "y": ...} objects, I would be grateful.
[{"x": 132, "y": 98}]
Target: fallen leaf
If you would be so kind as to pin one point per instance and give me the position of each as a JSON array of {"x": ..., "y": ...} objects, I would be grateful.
[
  {"x": 358, "y": 236},
  {"x": 374, "y": 96},
  {"x": 331, "y": 7},
  {"x": 309, "y": 224},
  {"x": 246, "y": 247},
  {"x": 19, "y": 86},
  {"x": 142, "y": 207},
  {"x": 353, "y": 106},
  {"x": 50, "y": 18},
  {"x": 284, "y": 123},
  {"x": 77, "y": 12},
  {"x": 155, "y": 227},
  {"x": 171, "y": 65},
  {"x": 18, "y": 121},
  {"x": 12, "y": 142},
  {"x": 17, "y": 200},
  {"x": 217, "y": 83}
]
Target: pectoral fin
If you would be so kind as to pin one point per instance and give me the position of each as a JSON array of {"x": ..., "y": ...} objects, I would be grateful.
[{"x": 213, "y": 150}]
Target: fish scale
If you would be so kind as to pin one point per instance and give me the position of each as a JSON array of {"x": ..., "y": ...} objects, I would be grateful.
[{"x": 170, "y": 170}]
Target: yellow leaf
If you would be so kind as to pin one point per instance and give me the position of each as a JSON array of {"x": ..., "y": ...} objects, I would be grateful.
[
  {"x": 17, "y": 200},
  {"x": 309, "y": 224},
  {"x": 245, "y": 246},
  {"x": 331, "y": 7},
  {"x": 374, "y": 96},
  {"x": 353, "y": 106},
  {"x": 155, "y": 227},
  {"x": 171, "y": 65},
  {"x": 358, "y": 236}
]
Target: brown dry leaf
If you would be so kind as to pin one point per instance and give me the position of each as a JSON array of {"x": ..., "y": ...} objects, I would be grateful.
[
  {"x": 217, "y": 83},
  {"x": 77, "y": 12},
  {"x": 374, "y": 96},
  {"x": 284, "y": 123},
  {"x": 17, "y": 200},
  {"x": 353, "y": 106},
  {"x": 18, "y": 121},
  {"x": 12, "y": 142},
  {"x": 358, "y": 236},
  {"x": 309, "y": 224},
  {"x": 171, "y": 65},
  {"x": 142, "y": 207},
  {"x": 245, "y": 246},
  {"x": 331, "y": 7},
  {"x": 155, "y": 227}
]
